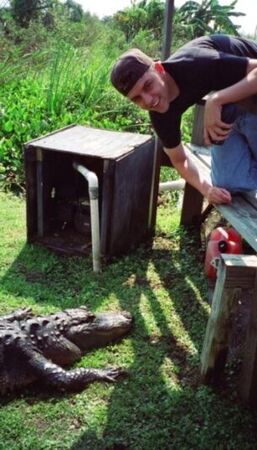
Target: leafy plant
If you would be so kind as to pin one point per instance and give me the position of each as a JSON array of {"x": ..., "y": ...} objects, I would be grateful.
[{"x": 207, "y": 17}]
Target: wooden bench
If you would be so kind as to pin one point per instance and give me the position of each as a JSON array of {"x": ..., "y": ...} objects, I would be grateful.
[
  {"x": 235, "y": 271},
  {"x": 241, "y": 213}
]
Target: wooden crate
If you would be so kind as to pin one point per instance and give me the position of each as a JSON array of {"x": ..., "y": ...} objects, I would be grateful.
[{"x": 57, "y": 195}]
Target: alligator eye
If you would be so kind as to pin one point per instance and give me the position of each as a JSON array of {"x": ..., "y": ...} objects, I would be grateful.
[{"x": 91, "y": 317}]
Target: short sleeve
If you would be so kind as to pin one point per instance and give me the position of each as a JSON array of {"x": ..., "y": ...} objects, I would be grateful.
[{"x": 167, "y": 126}]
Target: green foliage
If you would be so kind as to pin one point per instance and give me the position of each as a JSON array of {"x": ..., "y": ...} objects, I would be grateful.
[
  {"x": 61, "y": 78},
  {"x": 56, "y": 72},
  {"x": 70, "y": 85},
  {"x": 144, "y": 15},
  {"x": 75, "y": 10},
  {"x": 207, "y": 17},
  {"x": 24, "y": 11}
]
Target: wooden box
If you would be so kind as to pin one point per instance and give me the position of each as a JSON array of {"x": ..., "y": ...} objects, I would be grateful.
[{"x": 57, "y": 195}]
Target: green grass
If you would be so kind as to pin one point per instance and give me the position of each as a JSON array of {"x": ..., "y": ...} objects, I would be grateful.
[{"x": 161, "y": 405}]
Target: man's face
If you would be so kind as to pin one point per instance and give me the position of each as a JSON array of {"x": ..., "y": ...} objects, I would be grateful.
[{"x": 154, "y": 91}]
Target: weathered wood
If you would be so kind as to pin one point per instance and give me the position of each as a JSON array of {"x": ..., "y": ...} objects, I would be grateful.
[
  {"x": 215, "y": 346},
  {"x": 88, "y": 141},
  {"x": 192, "y": 206},
  {"x": 248, "y": 379},
  {"x": 234, "y": 271},
  {"x": 124, "y": 165},
  {"x": 241, "y": 271},
  {"x": 243, "y": 217},
  {"x": 197, "y": 131},
  {"x": 157, "y": 158},
  {"x": 131, "y": 201},
  {"x": 31, "y": 193}
]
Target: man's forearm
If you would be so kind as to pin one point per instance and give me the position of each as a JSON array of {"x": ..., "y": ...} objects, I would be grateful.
[
  {"x": 188, "y": 170},
  {"x": 182, "y": 162}
]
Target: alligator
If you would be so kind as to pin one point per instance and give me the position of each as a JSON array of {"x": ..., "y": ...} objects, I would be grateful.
[{"x": 37, "y": 348}]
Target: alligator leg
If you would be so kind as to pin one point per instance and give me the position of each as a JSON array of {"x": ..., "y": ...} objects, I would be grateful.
[
  {"x": 61, "y": 351},
  {"x": 65, "y": 380}
]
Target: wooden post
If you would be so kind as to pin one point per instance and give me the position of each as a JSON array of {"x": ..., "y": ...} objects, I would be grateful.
[
  {"x": 248, "y": 379},
  {"x": 193, "y": 199},
  {"x": 197, "y": 130},
  {"x": 234, "y": 271},
  {"x": 191, "y": 207},
  {"x": 216, "y": 340}
]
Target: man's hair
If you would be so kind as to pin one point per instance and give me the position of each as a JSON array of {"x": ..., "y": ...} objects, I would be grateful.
[{"x": 127, "y": 70}]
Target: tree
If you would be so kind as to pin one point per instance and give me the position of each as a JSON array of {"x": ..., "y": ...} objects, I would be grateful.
[
  {"x": 143, "y": 15},
  {"x": 23, "y": 11},
  {"x": 207, "y": 17},
  {"x": 75, "y": 10}
]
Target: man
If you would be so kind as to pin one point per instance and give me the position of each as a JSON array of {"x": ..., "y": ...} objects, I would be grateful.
[{"x": 225, "y": 68}]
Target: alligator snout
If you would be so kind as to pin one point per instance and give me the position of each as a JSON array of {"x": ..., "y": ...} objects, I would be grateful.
[{"x": 103, "y": 329}]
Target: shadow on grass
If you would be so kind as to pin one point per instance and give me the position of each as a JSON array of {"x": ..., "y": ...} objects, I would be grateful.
[{"x": 162, "y": 404}]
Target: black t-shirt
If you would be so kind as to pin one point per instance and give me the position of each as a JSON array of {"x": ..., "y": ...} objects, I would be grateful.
[{"x": 206, "y": 64}]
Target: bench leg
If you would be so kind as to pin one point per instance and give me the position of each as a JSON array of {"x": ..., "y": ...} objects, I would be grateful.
[
  {"x": 234, "y": 272},
  {"x": 248, "y": 379},
  {"x": 215, "y": 346},
  {"x": 192, "y": 206}
]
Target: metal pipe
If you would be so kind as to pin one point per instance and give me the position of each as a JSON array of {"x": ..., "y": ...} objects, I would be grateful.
[
  {"x": 172, "y": 185},
  {"x": 92, "y": 179}
]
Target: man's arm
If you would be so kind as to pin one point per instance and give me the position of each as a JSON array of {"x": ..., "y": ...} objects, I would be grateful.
[
  {"x": 184, "y": 165},
  {"x": 214, "y": 128}
]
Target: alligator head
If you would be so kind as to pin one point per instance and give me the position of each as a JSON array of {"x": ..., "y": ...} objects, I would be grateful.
[{"x": 95, "y": 330}]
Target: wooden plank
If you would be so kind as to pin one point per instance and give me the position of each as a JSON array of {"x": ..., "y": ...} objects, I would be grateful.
[
  {"x": 153, "y": 203},
  {"x": 241, "y": 213},
  {"x": 243, "y": 217},
  {"x": 237, "y": 276},
  {"x": 248, "y": 379},
  {"x": 88, "y": 141},
  {"x": 31, "y": 194},
  {"x": 131, "y": 200},
  {"x": 239, "y": 261},
  {"x": 107, "y": 205},
  {"x": 197, "y": 131},
  {"x": 241, "y": 270},
  {"x": 215, "y": 346},
  {"x": 202, "y": 153},
  {"x": 251, "y": 197},
  {"x": 192, "y": 206}
]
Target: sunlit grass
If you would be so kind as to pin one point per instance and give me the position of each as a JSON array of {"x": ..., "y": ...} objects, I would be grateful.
[{"x": 161, "y": 404}]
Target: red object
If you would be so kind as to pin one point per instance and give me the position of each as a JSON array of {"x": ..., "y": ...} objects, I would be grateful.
[{"x": 222, "y": 240}]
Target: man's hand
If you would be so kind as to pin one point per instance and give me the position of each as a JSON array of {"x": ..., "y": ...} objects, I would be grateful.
[
  {"x": 188, "y": 170},
  {"x": 216, "y": 195},
  {"x": 215, "y": 130}
]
